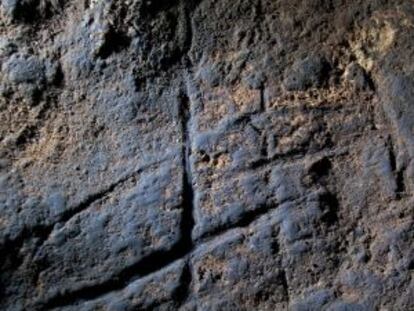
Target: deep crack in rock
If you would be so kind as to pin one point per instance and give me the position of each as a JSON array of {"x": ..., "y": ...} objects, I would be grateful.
[{"x": 206, "y": 155}]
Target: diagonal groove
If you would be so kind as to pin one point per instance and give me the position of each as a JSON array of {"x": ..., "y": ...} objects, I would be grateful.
[
  {"x": 293, "y": 155},
  {"x": 158, "y": 259},
  {"x": 245, "y": 220},
  {"x": 146, "y": 266},
  {"x": 248, "y": 218},
  {"x": 44, "y": 231},
  {"x": 152, "y": 264}
]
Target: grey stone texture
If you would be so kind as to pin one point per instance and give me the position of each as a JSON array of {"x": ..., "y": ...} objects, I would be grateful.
[{"x": 206, "y": 155}]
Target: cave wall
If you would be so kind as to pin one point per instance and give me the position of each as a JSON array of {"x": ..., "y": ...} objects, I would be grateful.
[{"x": 206, "y": 155}]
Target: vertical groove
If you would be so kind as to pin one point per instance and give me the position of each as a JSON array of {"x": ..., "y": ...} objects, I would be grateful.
[
  {"x": 262, "y": 98},
  {"x": 398, "y": 172},
  {"x": 285, "y": 284},
  {"x": 187, "y": 221},
  {"x": 188, "y": 192}
]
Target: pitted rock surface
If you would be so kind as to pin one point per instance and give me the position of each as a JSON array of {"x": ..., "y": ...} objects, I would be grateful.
[{"x": 206, "y": 155}]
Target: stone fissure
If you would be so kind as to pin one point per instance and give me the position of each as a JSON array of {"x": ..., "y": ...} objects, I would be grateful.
[
  {"x": 268, "y": 185},
  {"x": 44, "y": 231},
  {"x": 156, "y": 262},
  {"x": 188, "y": 191},
  {"x": 398, "y": 172},
  {"x": 184, "y": 248},
  {"x": 187, "y": 220},
  {"x": 159, "y": 259},
  {"x": 285, "y": 285}
]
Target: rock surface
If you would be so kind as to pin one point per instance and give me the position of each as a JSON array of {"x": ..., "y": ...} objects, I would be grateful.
[{"x": 206, "y": 155}]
